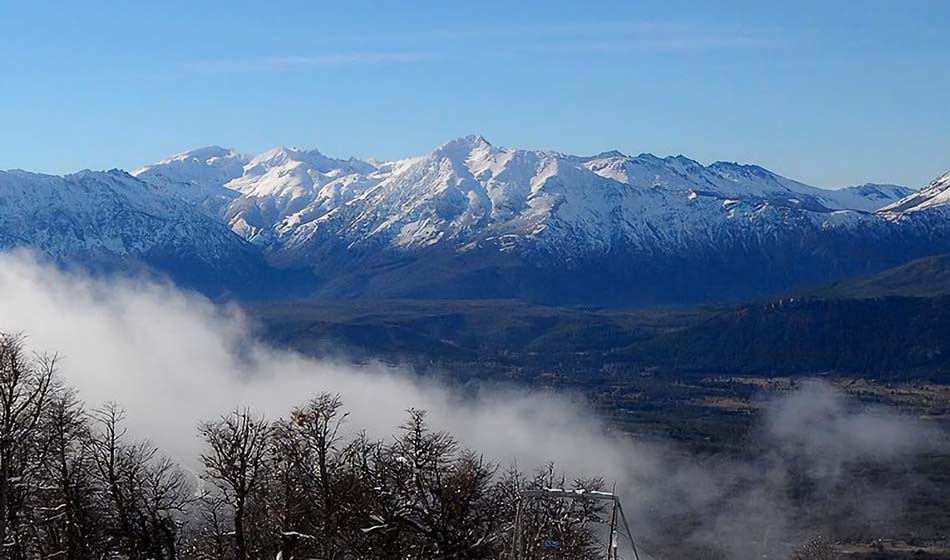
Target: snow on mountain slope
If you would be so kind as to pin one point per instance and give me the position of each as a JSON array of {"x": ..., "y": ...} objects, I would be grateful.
[
  {"x": 111, "y": 220},
  {"x": 872, "y": 196},
  {"x": 460, "y": 190},
  {"x": 255, "y": 196},
  {"x": 471, "y": 219},
  {"x": 284, "y": 187},
  {"x": 451, "y": 221},
  {"x": 935, "y": 195},
  {"x": 737, "y": 181},
  {"x": 197, "y": 176},
  {"x": 469, "y": 193}
]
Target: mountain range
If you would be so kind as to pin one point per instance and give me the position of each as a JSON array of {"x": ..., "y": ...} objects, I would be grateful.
[{"x": 471, "y": 220}]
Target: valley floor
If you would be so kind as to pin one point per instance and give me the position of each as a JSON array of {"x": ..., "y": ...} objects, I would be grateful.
[
  {"x": 716, "y": 416},
  {"x": 702, "y": 415}
]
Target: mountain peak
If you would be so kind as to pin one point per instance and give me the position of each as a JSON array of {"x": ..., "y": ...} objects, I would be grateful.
[
  {"x": 203, "y": 154},
  {"x": 185, "y": 165},
  {"x": 466, "y": 143},
  {"x": 734, "y": 170},
  {"x": 279, "y": 152},
  {"x": 880, "y": 190},
  {"x": 465, "y": 148},
  {"x": 282, "y": 155},
  {"x": 197, "y": 176},
  {"x": 736, "y": 165}
]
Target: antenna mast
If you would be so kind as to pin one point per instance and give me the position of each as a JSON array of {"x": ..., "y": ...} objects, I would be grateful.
[{"x": 616, "y": 515}]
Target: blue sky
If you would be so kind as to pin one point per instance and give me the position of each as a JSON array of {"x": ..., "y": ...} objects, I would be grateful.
[{"x": 831, "y": 93}]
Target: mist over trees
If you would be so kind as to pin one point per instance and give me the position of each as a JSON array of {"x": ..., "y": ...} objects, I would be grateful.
[{"x": 75, "y": 484}]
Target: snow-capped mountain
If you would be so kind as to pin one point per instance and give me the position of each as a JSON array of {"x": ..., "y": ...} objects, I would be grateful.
[
  {"x": 737, "y": 181},
  {"x": 471, "y": 219},
  {"x": 468, "y": 191},
  {"x": 280, "y": 187},
  {"x": 108, "y": 221},
  {"x": 198, "y": 176},
  {"x": 933, "y": 196}
]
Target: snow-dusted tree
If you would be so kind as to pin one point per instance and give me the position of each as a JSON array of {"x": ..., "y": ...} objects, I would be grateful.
[
  {"x": 141, "y": 492},
  {"x": 166, "y": 492},
  {"x": 116, "y": 462},
  {"x": 75, "y": 485},
  {"x": 359, "y": 491},
  {"x": 25, "y": 387},
  {"x": 211, "y": 519},
  {"x": 291, "y": 510},
  {"x": 316, "y": 491},
  {"x": 68, "y": 519},
  {"x": 431, "y": 499},
  {"x": 310, "y": 441},
  {"x": 235, "y": 462}
]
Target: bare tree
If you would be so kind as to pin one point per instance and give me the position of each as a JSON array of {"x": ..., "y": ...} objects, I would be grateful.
[
  {"x": 362, "y": 532},
  {"x": 293, "y": 510},
  {"x": 165, "y": 492},
  {"x": 25, "y": 384},
  {"x": 234, "y": 461},
  {"x": 68, "y": 515},
  {"x": 316, "y": 429},
  {"x": 432, "y": 499},
  {"x": 211, "y": 520},
  {"x": 75, "y": 485},
  {"x": 117, "y": 462},
  {"x": 142, "y": 493}
]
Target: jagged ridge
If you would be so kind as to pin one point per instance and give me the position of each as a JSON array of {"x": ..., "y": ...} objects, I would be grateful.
[{"x": 474, "y": 220}]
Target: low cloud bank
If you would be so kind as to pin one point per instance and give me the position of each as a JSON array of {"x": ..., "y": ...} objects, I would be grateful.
[{"x": 173, "y": 358}]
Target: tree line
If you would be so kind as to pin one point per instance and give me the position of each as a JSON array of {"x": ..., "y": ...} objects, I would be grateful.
[{"x": 75, "y": 484}]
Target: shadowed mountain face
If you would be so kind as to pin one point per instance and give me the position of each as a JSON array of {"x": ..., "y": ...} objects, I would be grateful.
[
  {"x": 921, "y": 278},
  {"x": 896, "y": 338},
  {"x": 110, "y": 222},
  {"x": 474, "y": 221},
  {"x": 892, "y": 323}
]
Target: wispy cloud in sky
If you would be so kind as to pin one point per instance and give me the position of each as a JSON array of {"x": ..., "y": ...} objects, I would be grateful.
[
  {"x": 626, "y": 37},
  {"x": 286, "y": 63},
  {"x": 676, "y": 35},
  {"x": 646, "y": 45},
  {"x": 279, "y": 63},
  {"x": 613, "y": 37}
]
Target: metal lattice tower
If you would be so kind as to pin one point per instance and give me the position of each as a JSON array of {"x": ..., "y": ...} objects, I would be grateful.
[{"x": 618, "y": 521}]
